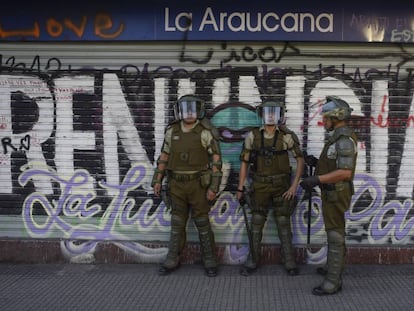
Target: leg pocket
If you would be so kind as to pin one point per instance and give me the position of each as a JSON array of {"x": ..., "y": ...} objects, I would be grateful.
[{"x": 332, "y": 196}]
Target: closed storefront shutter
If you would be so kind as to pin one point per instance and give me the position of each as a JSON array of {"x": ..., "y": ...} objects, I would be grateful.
[{"x": 82, "y": 125}]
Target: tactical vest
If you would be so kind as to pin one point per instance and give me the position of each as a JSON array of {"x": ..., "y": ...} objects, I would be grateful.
[
  {"x": 187, "y": 153},
  {"x": 269, "y": 157},
  {"x": 326, "y": 165}
]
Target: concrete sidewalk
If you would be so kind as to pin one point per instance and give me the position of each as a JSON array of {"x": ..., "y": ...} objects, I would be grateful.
[{"x": 138, "y": 287}]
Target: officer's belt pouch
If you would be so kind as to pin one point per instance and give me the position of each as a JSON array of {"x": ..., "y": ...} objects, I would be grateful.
[
  {"x": 205, "y": 179},
  {"x": 332, "y": 190},
  {"x": 340, "y": 186}
]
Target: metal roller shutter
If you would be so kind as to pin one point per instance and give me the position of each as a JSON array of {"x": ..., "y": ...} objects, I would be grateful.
[{"x": 82, "y": 123}]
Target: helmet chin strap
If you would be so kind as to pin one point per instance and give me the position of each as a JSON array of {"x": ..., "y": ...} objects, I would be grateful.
[{"x": 334, "y": 122}]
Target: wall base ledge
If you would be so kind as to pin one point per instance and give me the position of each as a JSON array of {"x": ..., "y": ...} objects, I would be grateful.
[{"x": 50, "y": 251}]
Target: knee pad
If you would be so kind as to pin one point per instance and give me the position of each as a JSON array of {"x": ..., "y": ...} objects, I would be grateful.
[
  {"x": 179, "y": 210},
  {"x": 201, "y": 222},
  {"x": 177, "y": 221},
  {"x": 335, "y": 237},
  {"x": 282, "y": 207},
  {"x": 258, "y": 219},
  {"x": 282, "y": 220}
]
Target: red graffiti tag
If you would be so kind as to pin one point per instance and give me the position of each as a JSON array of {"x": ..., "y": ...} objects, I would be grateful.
[{"x": 102, "y": 27}]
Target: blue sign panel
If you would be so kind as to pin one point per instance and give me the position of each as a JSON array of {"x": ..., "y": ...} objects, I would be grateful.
[{"x": 74, "y": 20}]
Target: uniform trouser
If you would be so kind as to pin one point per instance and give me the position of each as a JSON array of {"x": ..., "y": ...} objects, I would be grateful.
[
  {"x": 189, "y": 197},
  {"x": 334, "y": 206},
  {"x": 265, "y": 195}
]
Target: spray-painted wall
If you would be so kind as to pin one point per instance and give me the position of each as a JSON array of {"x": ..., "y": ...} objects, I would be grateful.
[{"x": 81, "y": 126}]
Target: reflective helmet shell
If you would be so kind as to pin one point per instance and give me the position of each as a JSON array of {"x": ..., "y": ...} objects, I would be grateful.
[{"x": 335, "y": 107}]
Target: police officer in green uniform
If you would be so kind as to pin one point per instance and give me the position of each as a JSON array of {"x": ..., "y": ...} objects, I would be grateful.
[
  {"x": 265, "y": 156},
  {"x": 334, "y": 174},
  {"x": 191, "y": 159}
]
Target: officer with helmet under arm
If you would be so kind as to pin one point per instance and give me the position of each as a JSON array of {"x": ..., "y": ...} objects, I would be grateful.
[
  {"x": 265, "y": 154},
  {"x": 334, "y": 174},
  {"x": 191, "y": 159}
]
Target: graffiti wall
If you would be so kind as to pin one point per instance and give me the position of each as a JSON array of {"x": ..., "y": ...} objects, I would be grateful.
[{"x": 81, "y": 127}]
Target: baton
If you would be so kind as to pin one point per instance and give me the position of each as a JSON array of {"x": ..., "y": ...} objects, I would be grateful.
[
  {"x": 243, "y": 203},
  {"x": 311, "y": 162},
  {"x": 309, "y": 207}
]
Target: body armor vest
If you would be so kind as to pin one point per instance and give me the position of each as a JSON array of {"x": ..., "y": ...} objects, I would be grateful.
[
  {"x": 325, "y": 164},
  {"x": 269, "y": 157},
  {"x": 187, "y": 153}
]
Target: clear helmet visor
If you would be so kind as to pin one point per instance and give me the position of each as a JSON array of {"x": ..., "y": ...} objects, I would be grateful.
[
  {"x": 271, "y": 115},
  {"x": 328, "y": 107},
  {"x": 189, "y": 110}
]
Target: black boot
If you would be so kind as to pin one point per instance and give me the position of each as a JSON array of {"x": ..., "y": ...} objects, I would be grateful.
[
  {"x": 249, "y": 266},
  {"x": 175, "y": 246},
  {"x": 322, "y": 270},
  {"x": 336, "y": 261},
  {"x": 163, "y": 270},
  {"x": 285, "y": 236},
  {"x": 253, "y": 259},
  {"x": 208, "y": 245}
]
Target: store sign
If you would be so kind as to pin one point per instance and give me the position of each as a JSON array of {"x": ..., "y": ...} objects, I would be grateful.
[
  {"x": 247, "y": 22},
  {"x": 213, "y": 20}
]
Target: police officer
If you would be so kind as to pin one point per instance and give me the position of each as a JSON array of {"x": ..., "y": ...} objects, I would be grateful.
[
  {"x": 265, "y": 157},
  {"x": 191, "y": 159},
  {"x": 334, "y": 174}
]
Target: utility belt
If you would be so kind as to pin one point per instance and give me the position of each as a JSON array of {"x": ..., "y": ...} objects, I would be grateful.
[
  {"x": 184, "y": 177},
  {"x": 339, "y": 186},
  {"x": 331, "y": 191},
  {"x": 272, "y": 179},
  {"x": 327, "y": 187}
]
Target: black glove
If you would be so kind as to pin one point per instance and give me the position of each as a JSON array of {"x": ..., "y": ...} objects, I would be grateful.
[
  {"x": 242, "y": 200},
  {"x": 311, "y": 160},
  {"x": 309, "y": 183}
]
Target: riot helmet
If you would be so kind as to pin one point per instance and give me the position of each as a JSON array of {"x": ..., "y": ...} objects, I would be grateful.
[
  {"x": 334, "y": 107},
  {"x": 189, "y": 106},
  {"x": 271, "y": 112}
]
